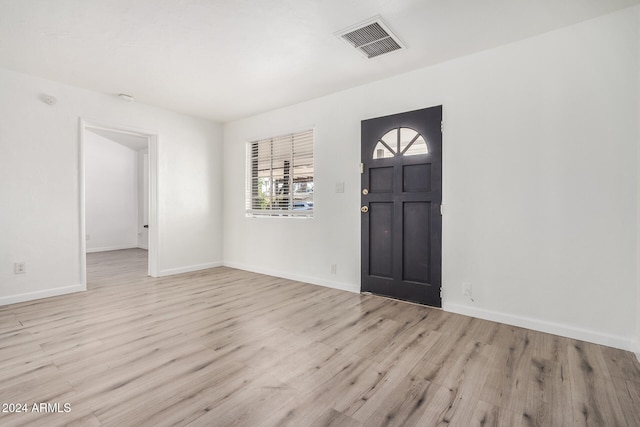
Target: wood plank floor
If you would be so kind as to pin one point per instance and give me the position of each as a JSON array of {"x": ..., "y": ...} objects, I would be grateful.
[{"x": 224, "y": 347}]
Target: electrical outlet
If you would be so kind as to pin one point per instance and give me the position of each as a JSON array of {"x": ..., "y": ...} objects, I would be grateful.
[
  {"x": 19, "y": 267},
  {"x": 339, "y": 187},
  {"x": 87, "y": 237},
  {"x": 466, "y": 289},
  {"x": 334, "y": 268}
]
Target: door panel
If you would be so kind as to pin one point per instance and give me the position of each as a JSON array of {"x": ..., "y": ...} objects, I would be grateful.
[
  {"x": 416, "y": 242},
  {"x": 401, "y": 222},
  {"x": 416, "y": 177},
  {"x": 381, "y": 180},
  {"x": 381, "y": 239}
]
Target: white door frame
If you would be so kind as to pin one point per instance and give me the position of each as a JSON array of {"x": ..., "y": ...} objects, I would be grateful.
[{"x": 154, "y": 241}]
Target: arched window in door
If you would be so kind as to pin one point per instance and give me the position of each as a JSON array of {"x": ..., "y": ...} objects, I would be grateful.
[{"x": 400, "y": 141}]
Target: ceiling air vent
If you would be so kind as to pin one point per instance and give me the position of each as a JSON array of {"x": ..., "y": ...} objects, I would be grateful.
[{"x": 371, "y": 38}]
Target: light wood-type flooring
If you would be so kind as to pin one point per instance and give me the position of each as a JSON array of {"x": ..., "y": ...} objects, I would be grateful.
[{"x": 224, "y": 347}]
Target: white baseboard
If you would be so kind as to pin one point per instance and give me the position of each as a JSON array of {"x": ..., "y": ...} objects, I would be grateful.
[
  {"x": 30, "y": 296},
  {"x": 111, "y": 248},
  {"x": 624, "y": 343},
  {"x": 189, "y": 269},
  {"x": 297, "y": 277}
]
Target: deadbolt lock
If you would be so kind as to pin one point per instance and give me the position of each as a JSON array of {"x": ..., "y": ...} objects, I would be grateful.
[
  {"x": 365, "y": 191},
  {"x": 364, "y": 209}
]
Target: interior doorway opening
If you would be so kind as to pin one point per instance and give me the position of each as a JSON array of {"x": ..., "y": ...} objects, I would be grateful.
[{"x": 118, "y": 168}]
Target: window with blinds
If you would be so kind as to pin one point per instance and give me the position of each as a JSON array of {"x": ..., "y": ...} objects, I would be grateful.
[{"x": 280, "y": 176}]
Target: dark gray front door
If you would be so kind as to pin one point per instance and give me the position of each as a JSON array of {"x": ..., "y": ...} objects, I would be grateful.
[{"x": 401, "y": 197}]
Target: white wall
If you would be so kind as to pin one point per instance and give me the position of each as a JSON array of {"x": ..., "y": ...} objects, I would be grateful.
[
  {"x": 39, "y": 184},
  {"x": 540, "y": 181},
  {"x": 111, "y": 188}
]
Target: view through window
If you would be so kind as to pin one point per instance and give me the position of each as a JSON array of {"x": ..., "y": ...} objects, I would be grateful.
[{"x": 280, "y": 175}]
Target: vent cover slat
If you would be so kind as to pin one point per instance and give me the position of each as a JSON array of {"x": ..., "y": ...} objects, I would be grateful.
[
  {"x": 381, "y": 47},
  {"x": 366, "y": 35},
  {"x": 372, "y": 38}
]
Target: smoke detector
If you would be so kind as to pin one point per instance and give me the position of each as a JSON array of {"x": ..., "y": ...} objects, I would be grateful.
[
  {"x": 125, "y": 97},
  {"x": 371, "y": 38},
  {"x": 48, "y": 99}
]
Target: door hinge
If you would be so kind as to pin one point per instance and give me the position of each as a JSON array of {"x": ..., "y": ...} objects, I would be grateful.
[
  {"x": 440, "y": 293},
  {"x": 440, "y": 210},
  {"x": 441, "y": 126},
  {"x": 361, "y": 167}
]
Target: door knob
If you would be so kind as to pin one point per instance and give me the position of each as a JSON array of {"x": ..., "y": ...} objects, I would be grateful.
[{"x": 364, "y": 209}]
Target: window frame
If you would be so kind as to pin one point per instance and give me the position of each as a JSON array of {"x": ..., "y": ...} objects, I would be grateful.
[{"x": 290, "y": 157}]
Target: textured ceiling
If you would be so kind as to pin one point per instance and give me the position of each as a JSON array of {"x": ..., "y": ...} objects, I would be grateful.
[{"x": 224, "y": 60}]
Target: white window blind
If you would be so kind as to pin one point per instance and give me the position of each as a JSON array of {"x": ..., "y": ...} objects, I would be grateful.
[{"x": 280, "y": 175}]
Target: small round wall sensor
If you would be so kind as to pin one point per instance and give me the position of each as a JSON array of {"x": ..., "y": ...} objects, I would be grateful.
[
  {"x": 126, "y": 97},
  {"x": 48, "y": 99}
]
